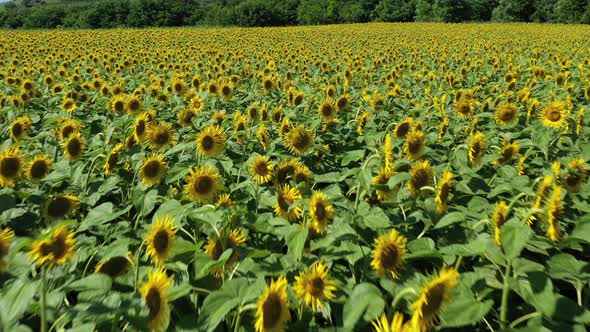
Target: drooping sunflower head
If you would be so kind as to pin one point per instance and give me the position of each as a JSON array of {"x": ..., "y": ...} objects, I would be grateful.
[
  {"x": 160, "y": 135},
  {"x": 286, "y": 126},
  {"x": 343, "y": 102},
  {"x": 152, "y": 169},
  {"x": 112, "y": 159},
  {"x": 443, "y": 191},
  {"x": 20, "y": 128},
  {"x": 272, "y": 308},
  {"x": 155, "y": 293},
  {"x": 185, "y": 117},
  {"x": 320, "y": 211},
  {"x": 114, "y": 266},
  {"x": 554, "y": 115},
  {"x": 60, "y": 206},
  {"x": 69, "y": 127},
  {"x": 382, "y": 178},
  {"x": 576, "y": 175},
  {"x": 11, "y": 166},
  {"x": 506, "y": 115},
  {"x": 6, "y": 236},
  {"x": 203, "y": 183},
  {"x": 286, "y": 196},
  {"x": 57, "y": 249},
  {"x": 240, "y": 127},
  {"x": 160, "y": 240},
  {"x": 422, "y": 176},
  {"x": 133, "y": 104},
  {"x": 299, "y": 140},
  {"x": 302, "y": 174},
  {"x": 432, "y": 299},
  {"x": 499, "y": 217},
  {"x": 313, "y": 287},
  {"x": 507, "y": 153},
  {"x": 402, "y": 128},
  {"x": 362, "y": 122},
  {"x": 263, "y": 136},
  {"x": 227, "y": 239},
  {"x": 382, "y": 324},
  {"x": 285, "y": 170},
  {"x": 327, "y": 110},
  {"x": 414, "y": 144},
  {"x": 38, "y": 168},
  {"x": 261, "y": 169},
  {"x": 74, "y": 146},
  {"x": 477, "y": 148},
  {"x": 388, "y": 253},
  {"x": 211, "y": 141},
  {"x": 554, "y": 210}
]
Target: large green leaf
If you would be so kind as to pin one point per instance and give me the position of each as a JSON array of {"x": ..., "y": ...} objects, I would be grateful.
[{"x": 365, "y": 301}]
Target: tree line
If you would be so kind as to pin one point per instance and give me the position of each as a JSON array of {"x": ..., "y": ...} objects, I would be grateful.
[{"x": 161, "y": 13}]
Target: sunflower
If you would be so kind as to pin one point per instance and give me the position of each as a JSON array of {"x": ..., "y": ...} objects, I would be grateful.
[
  {"x": 69, "y": 127},
  {"x": 580, "y": 121},
  {"x": 185, "y": 117},
  {"x": 152, "y": 170},
  {"x": 555, "y": 205},
  {"x": 60, "y": 206},
  {"x": 160, "y": 135},
  {"x": 500, "y": 216},
  {"x": 388, "y": 153},
  {"x": 112, "y": 159},
  {"x": 197, "y": 104},
  {"x": 443, "y": 191},
  {"x": 68, "y": 105},
  {"x": 74, "y": 146},
  {"x": 140, "y": 125},
  {"x": 226, "y": 90},
  {"x": 225, "y": 201},
  {"x": 422, "y": 176},
  {"x": 218, "y": 117},
  {"x": 388, "y": 253},
  {"x": 155, "y": 293},
  {"x": 575, "y": 176},
  {"x": 507, "y": 153},
  {"x": 542, "y": 194},
  {"x": 272, "y": 308},
  {"x": 20, "y": 128},
  {"x": 477, "y": 148},
  {"x": 57, "y": 249},
  {"x": 114, "y": 266},
  {"x": 343, "y": 102},
  {"x": 313, "y": 287},
  {"x": 211, "y": 141},
  {"x": 444, "y": 125},
  {"x": 320, "y": 212},
  {"x": 232, "y": 239},
  {"x": 178, "y": 86},
  {"x": 286, "y": 196},
  {"x": 302, "y": 174},
  {"x": 263, "y": 136},
  {"x": 159, "y": 240},
  {"x": 11, "y": 166},
  {"x": 299, "y": 140},
  {"x": 212, "y": 88},
  {"x": 38, "y": 168},
  {"x": 554, "y": 115},
  {"x": 362, "y": 122},
  {"x": 396, "y": 325},
  {"x": 432, "y": 299},
  {"x": 118, "y": 104},
  {"x": 203, "y": 183},
  {"x": 6, "y": 237},
  {"x": 285, "y": 127},
  {"x": 133, "y": 104},
  {"x": 285, "y": 170},
  {"x": 267, "y": 84},
  {"x": 414, "y": 145},
  {"x": 261, "y": 169},
  {"x": 382, "y": 178},
  {"x": 402, "y": 128},
  {"x": 464, "y": 108},
  {"x": 240, "y": 127},
  {"x": 327, "y": 110},
  {"x": 506, "y": 115}
]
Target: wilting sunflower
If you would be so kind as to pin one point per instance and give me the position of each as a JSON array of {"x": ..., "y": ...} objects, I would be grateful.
[
  {"x": 422, "y": 176},
  {"x": 57, "y": 249},
  {"x": 313, "y": 287},
  {"x": 388, "y": 253},
  {"x": 38, "y": 168},
  {"x": 69, "y": 127},
  {"x": 263, "y": 136},
  {"x": 74, "y": 146},
  {"x": 285, "y": 170},
  {"x": 6, "y": 237},
  {"x": 203, "y": 183},
  {"x": 402, "y": 128},
  {"x": 414, "y": 145},
  {"x": 499, "y": 217},
  {"x": 575, "y": 176},
  {"x": 396, "y": 325},
  {"x": 261, "y": 169},
  {"x": 114, "y": 266},
  {"x": 327, "y": 110},
  {"x": 286, "y": 196},
  {"x": 554, "y": 115},
  {"x": 554, "y": 207},
  {"x": 506, "y": 115},
  {"x": 320, "y": 212},
  {"x": 112, "y": 159},
  {"x": 507, "y": 153},
  {"x": 477, "y": 148},
  {"x": 160, "y": 135},
  {"x": 155, "y": 293},
  {"x": 140, "y": 126},
  {"x": 464, "y": 108},
  {"x": 443, "y": 191},
  {"x": 211, "y": 141},
  {"x": 227, "y": 239},
  {"x": 160, "y": 240},
  {"x": 60, "y": 206},
  {"x": 299, "y": 140},
  {"x": 152, "y": 169},
  {"x": 11, "y": 166},
  {"x": 433, "y": 297},
  {"x": 68, "y": 105},
  {"x": 272, "y": 308},
  {"x": 20, "y": 128},
  {"x": 362, "y": 122}
]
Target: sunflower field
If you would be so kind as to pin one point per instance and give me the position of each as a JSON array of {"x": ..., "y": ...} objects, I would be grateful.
[{"x": 372, "y": 177}]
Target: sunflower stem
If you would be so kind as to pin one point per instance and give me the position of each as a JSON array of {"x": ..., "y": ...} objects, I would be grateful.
[
  {"x": 237, "y": 322},
  {"x": 137, "y": 265},
  {"x": 579, "y": 293},
  {"x": 505, "y": 292},
  {"x": 524, "y": 318},
  {"x": 43, "y": 299},
  {"x": 401, "y": 295}
]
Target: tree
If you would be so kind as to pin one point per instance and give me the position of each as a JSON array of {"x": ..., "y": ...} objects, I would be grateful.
[
  {"x": 395, "y": 11},
  {"x": 513, "y": 11},
  {"x": 568, "y": 11},
  {"x": 424, "y": 11}
]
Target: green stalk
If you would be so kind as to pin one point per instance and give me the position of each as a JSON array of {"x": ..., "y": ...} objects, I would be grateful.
[
  {"x": 43, "y": 298},
  {"x": 505, "y": 292}
]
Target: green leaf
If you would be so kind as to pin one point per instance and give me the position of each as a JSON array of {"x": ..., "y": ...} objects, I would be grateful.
[
  {"x": 16, "y": 298},
  {"x": 97, "y": 281},
  {"x": 514, "y": 237},
  {"x": 350, "y": 156},
  {"x": 365, "y": 301},
  {"x": 449, "y": 219},
  {"x": 566, "y": 266},
  {"x": 100, "y": 215},
  {"x": 149, "y": 202},
  {"x": 296, "y": 241},
  {"x": 219, "y": 303},
  {"x": 465, "y": 311}
]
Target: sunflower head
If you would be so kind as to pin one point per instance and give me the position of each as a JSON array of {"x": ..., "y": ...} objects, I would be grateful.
[
  {"x": 554, "y": 115},
  {"x": 152, "y": 169},
  {"x": 60, "y": 206},
  {"x": 507, "y": 153},
  {"x": 69, "y": 127},
  {"x": 155, "y": 293},
  {"x": 112, "y": 159},
  {"x": 197, "y": 104},
  {"x": 203, "y": 183},
  {"x": 68, "y": 105},
  {"x": 285, "y": 170},
  {"x": 11, "y": 166},
  {"x": 414, "y": 144},
  {"x": 160, "y": 240},
  {"x": 140, "y": 126},
  {"x": 272, "y": 307},
  {"x": 506, "y": 115},
  {"x": 20, "y": 127},
  {"x": 464, "y": 108},
  {"x": 261, "y": 169},
  {"x": 443, "y": 191},
  {"x": 327, "y": 110},
  {"x": 240, "y": 127},
  {"x": 382, "y": 324},
  {"x": 499, "y": 217},
  {"x": 263, "y": 136},
  {"x": 302, "y": 174},
  {"x": 320, "y": 211},
  {"x": 133, "y": 104},
  {"x": 114, "y": 266},
  {"x": 402, "y": 128},
  {"x": 160, "y": 135},
  {"x": 211, "y": 141},
  {"x": 313, "y": 287},
  {"x": 576, "y": 175},
  {"x": 477, "y": 148},
  {"x": 57, "y": 249},
  {"x": 343, "y": 102},
  {"x": 224, "y": 201},
  {"x": 389, "y": 250},
  {"x": 6, "y": 236},
  {"x": 362, "y": 122},
  {"x": 422, "y": 176},
  {"x": 74, "y": 146},
  {"x": 299, "y": 140},
  {"x": 286, "y": 196},
  {"x": 185, "y": 117},
  {"x": 118, "y": 104},
  {"x": 38, "y": 168},
  {"x": 227, "y": 239}
]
